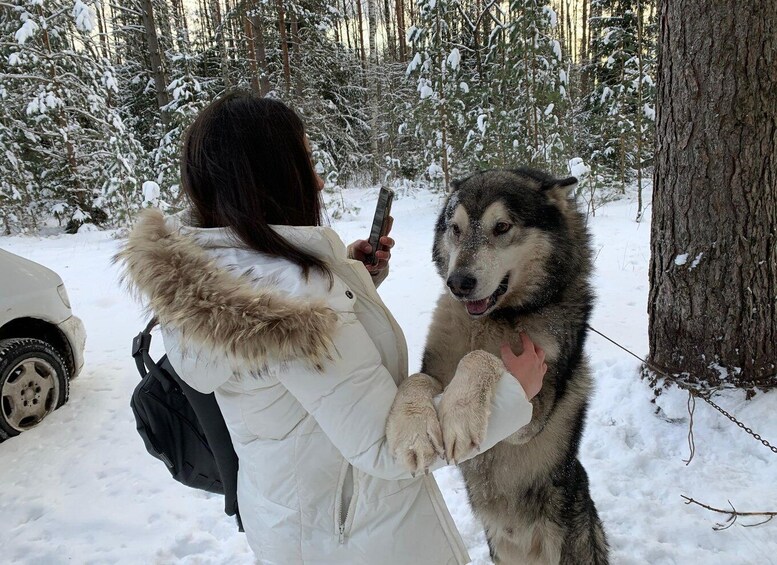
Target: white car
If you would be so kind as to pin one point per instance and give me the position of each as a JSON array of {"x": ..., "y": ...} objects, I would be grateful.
[{"x": 41, "y": 344}]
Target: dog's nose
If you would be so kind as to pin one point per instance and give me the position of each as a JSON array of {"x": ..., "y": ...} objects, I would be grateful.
[{"x": 461, "y": 284}]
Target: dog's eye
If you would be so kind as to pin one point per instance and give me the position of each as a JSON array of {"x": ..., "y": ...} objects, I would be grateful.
[
  {"x": 501, "y": 228},
  {"x": 456, "y": 230}
]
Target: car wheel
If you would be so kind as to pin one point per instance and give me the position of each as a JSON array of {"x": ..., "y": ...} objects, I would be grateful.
[{"x": 34, "y": 381}]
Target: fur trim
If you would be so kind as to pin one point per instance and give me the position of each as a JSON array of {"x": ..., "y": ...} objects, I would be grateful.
[{"x": 186, "y": 290}]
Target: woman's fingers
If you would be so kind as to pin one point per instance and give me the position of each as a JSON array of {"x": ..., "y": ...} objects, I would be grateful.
[
  {"x": 508, "y": 356},
  {"x": 387, "y": 242}
]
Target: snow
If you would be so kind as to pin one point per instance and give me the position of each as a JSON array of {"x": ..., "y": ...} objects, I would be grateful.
[
  {"x": 80, "y": 487},
  {"x": 28, "y": 29},
  {"x": 434, "y": 171},
  {"x": 578, "y": 168},
  {"x": 681, "y": 259},
  {"x": 425, "y": 91},
  {"x": 551, "y": 15},
  {"x": 482, "y": 121},
  {"x": 556, "y": 49},
  {"x": 454, "y": 58},
  {"x": 413, "y": 65},
  {"x": 606, "y": 93},
  {"x": 150, "y": 193},
  {"x": 84, "y": 17}
]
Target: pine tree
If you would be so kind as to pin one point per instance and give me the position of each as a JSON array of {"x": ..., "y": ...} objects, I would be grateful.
[
  {"x": 619, "y": 109},
  {"x": 61, "y": 131}
]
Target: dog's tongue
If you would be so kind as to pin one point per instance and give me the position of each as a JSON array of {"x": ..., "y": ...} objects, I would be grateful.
[{"x": 477, "y": 306}]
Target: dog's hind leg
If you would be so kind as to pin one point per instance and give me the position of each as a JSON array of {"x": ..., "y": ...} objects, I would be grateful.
[
  {"x": 585, "y": 542},
  {"x": 491, "y": 548}
]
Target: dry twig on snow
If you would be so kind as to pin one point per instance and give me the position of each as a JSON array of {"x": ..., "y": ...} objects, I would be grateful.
[{"x": 733, "y": 514}]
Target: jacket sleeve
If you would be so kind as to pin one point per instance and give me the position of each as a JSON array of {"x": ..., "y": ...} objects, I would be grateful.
[
  {"x": 510, "y": 411},
  {"x": 351, "y": 396}
]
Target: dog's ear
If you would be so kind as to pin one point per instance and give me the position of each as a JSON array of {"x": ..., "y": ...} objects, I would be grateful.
[
  {"x": 559, "y": 190},
  {"x": 455, "y": 185}
]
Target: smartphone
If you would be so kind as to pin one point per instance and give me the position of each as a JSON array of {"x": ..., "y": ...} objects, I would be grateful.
[{"x": 380, "y": 222}]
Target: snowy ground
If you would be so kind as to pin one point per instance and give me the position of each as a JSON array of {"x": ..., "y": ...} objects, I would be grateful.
[{"x": 81, "y": 489}]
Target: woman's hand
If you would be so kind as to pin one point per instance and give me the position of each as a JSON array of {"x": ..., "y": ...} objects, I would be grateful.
[
  {"x": 360, "y": 250},
  {"x": 529, "y": 367}
]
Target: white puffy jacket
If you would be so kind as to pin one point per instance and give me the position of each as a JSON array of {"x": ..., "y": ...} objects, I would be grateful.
[{"x": 305, "y": 375}]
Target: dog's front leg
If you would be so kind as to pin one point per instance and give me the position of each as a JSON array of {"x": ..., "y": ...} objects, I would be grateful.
[
  {"x": 466, "y": 403},
  {"x": 413, "y": 429}
]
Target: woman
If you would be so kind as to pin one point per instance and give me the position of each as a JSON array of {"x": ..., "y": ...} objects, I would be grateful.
[{"x": 261, "y": 304}]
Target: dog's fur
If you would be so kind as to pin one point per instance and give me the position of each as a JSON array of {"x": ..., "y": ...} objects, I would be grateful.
[{"x": 530, "y": 491}]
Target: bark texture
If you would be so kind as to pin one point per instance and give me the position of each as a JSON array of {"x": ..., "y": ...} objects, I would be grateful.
[
  {"x": 713, "y": 273},
  {"x": 155, "y": 57}
]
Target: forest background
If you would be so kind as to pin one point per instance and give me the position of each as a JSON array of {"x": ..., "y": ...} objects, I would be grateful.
[{"x": 96, "y": 94}]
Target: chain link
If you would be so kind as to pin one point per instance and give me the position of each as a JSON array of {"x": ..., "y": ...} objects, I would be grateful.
[
  {"x": 737, "y": 422},
  {"x": 691, "y": 390}
]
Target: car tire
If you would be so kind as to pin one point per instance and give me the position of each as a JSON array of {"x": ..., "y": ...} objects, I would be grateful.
[{"x": 34, "y": 381}]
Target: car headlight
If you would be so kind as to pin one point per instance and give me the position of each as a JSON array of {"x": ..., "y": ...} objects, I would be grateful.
[{"x": 63, "y": 295}]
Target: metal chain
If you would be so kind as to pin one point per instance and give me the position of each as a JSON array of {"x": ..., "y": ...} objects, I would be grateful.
[
  {"x": 691, "y": 390},
  {"x": 737, "y": 422}
]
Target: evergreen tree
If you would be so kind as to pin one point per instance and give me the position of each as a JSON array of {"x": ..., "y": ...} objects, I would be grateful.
[
  {"x": 59, "y": 117},
  {"x": 619, "y": 111}
]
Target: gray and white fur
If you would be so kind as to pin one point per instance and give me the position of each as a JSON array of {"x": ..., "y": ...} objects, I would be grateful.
[{"x": 515, "y": 255}]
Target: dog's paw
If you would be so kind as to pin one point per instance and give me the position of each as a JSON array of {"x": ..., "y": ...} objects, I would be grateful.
[
  {"x": 464, "y": 422},
  {"x": 413, "y": 430},
  {"x": 466, "y": 404}
]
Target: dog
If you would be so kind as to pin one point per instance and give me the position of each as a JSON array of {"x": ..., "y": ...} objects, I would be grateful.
[{"x": 515, "y": 255}]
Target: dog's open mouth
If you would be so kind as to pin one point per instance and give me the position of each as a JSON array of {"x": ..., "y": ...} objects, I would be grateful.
[{"x": 480, "y": 307}]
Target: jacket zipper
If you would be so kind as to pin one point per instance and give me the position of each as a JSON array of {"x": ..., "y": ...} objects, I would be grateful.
[{"x": 343, "y": 520}]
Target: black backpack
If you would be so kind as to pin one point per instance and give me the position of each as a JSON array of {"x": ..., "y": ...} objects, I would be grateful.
[{"x": 182, "y": 427}]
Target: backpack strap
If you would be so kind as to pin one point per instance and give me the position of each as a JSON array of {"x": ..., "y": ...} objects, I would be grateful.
[{"x": 145, "y": 364}]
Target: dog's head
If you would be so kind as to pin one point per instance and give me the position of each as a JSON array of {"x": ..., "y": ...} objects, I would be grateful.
[{"x": 509, "y": 239}]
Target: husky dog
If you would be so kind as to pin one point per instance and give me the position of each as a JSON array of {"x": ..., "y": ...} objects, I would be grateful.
[{"x": 515, "y": 255}]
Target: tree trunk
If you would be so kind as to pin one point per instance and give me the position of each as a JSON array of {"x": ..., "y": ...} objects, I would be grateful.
[
  {"x": 640, "y": 109},
  {"x": 205, "y": 18},
  {"x": 219, "y": 28},
  {"x": 258, "y": 50},
  {"x": 713, "y": 271},
  {"x": 181, "y": 26},
  {"x": 442, "y": 103},
  {"x": 299, "y": 85},
  {"x": 374, "y": 80},
  {"x": 392, "y": 46},
  {"x": 361, "y": 32},
  {"x": 248, "y": 30},
  {"x": 102, "y": 27},
  {"x": 284, "y": 45},
  {"x": 155, "y": 56},
  {"x": 346, "y": 17},
  {"x": 401, "y": 30},
  {"x": 584, "y": 49}
]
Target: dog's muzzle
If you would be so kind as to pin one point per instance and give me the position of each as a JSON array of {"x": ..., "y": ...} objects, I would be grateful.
[{"x": 462, "y": 285}]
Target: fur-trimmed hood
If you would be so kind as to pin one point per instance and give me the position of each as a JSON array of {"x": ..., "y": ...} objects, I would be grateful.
[{"x": 187, "y": 291}]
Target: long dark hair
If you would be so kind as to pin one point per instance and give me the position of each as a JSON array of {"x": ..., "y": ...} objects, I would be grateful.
[{"x": 245, "y": 166}]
